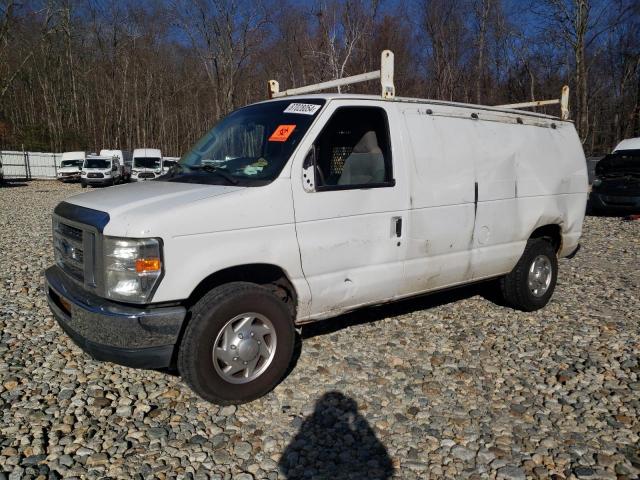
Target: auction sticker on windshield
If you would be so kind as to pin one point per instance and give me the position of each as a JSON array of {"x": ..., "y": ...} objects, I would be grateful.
[
  {"x": 302, "y": 108},
  {"x": 282, "y": 133}
]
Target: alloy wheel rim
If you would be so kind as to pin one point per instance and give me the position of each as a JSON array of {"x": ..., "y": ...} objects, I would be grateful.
[
  {"x": 244, "y": 348},
  {"x": 540, "y": 274}
]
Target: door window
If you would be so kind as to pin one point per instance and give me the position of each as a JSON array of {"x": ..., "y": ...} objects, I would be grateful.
[{"x": 354, "y": 151}]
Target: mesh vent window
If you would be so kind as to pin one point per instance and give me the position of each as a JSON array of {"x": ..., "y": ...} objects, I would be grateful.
[
  {"x": 354, "y": 149},
  {"x": 339, "y": 155}
]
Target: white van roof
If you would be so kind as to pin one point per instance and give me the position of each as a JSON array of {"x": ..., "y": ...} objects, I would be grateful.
[
  {"x": 628, "y": 144},
  {"x": 147, "y": 152},
  {"x": 111, "y": 153},
  {"x": 73, "y": 155}
]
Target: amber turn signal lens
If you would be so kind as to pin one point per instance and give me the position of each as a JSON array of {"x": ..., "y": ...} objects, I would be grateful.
[{"x": 147, "y": 265}]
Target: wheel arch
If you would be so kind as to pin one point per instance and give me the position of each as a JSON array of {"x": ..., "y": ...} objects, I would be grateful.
[
  {"x": 552, "y": 232},
  {"x": 268, "y": 275}
]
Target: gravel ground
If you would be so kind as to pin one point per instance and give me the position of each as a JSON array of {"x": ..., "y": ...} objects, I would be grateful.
[{"x": 448, "y": 386}]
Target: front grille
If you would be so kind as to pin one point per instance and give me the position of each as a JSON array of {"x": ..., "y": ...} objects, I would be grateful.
[
  {"x": 95, "y": 175},
  {"x": 74, "y": 247},
  {"x": 146, "y": 175}
]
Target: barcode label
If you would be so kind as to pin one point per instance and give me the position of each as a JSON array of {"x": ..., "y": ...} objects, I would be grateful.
[{"x": 302, "y": 108}]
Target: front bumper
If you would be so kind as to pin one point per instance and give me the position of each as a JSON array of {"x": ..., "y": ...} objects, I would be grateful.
[
  {"x": 136, "y": 337},
  {"x": 136, "y": 176},
  {"x": 614, "y": 204},
  {"x": 97, "y": 181},
  {"x": 73, "y": 177}
]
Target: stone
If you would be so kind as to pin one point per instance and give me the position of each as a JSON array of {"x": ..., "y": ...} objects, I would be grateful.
[{"x": 511, "y": 473}]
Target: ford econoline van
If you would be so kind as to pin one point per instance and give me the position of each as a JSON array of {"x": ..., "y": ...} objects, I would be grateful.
[{"x": 301, "y": 208}]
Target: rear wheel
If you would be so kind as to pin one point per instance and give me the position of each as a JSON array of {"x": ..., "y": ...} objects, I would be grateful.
[
  {"x": 531, "y": 283},
  {"x": 238, "y": 344}
]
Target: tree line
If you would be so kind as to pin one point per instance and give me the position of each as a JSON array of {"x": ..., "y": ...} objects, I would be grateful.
[{"x": 91, "y": 74}]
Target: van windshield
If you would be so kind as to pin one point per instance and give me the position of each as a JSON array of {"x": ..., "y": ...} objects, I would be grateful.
[
  {"x": 146, "y": 162},
  {"x": 97, "y": 163},
  {"x": 250, "y": 146},
  {"x": 71, "y": 163}
]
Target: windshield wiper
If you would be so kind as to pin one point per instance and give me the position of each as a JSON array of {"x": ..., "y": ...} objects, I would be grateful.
[{"x": 219, "y": 171}]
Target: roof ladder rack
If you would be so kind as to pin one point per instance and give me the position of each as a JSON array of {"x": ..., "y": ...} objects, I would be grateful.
[
  {"x": 385, "y": 74},
  {"x": 563, "y": 101}
]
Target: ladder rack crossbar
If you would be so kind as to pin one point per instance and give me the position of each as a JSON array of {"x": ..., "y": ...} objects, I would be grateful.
[
  {"x": 363, "y": 77},
  {"x": 385, "y": 74}
]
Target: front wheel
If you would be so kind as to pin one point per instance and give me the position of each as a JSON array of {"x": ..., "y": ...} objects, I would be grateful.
[
  {"x": 531, "y": 283},
  {"x": 238, "y": 344},
  {"x": 83, "y": 185}
]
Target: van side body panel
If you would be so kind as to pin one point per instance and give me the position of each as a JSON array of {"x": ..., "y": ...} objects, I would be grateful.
[
  {"x": 481, "y": 187},
  {"x": 441, "y": 212}
]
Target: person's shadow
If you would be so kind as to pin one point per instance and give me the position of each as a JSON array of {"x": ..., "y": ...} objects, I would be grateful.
[{"x": 335, "y": 443}]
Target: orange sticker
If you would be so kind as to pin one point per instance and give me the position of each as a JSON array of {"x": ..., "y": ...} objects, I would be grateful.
[{"x": 281, "y": 133}]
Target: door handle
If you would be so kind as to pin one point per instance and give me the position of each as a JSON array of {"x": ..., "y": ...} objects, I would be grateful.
[{"x": 397, "y": 222}]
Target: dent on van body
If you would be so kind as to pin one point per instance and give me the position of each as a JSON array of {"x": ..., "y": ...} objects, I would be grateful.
[{"x": 524, "y": 176}]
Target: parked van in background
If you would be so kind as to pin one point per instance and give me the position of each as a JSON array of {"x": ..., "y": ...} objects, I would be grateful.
[
  {"x": 98, "y": 170},
  {"x": 616, "y": 187},
  {"x": 301, "y": 208},
  {"x": 147, "y": 164},
  {"x": 70, "y": 166},
  {"x": 124, "y": 160},
  {"x": 168, "y": 162}
]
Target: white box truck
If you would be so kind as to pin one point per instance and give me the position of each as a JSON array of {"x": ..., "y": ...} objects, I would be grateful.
[
  {"x": 70, "y": 166},
  {"x": 301, "y": 208},
  {"x": 146, "y": 165}
]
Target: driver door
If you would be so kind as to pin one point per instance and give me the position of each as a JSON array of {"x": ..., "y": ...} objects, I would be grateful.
[{"x": 350, "y": 201}]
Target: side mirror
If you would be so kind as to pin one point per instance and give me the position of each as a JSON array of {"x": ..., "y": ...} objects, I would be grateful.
[{"x": 308, "y": 167}]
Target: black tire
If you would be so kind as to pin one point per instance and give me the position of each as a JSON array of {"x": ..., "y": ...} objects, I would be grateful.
[
  {"x": 83, "y": 185},
  {"x": 208, "y": 317},
  {"x": 515, "y": 285}
]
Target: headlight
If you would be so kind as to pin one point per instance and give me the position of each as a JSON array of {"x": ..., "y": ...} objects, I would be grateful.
[
  {"x": 106, "y": 174},
  {"x": 84, "y": 174},
  {"x": 597, "y": 182},
  {"x": 132, "y": 268}
]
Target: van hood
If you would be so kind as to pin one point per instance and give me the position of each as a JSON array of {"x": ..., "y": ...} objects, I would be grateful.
[{"x": 135, "y": 204}]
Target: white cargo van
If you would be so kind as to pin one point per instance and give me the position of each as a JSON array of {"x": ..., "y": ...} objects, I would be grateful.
[
  {"x": 147, "y": 164},
  {"x": 70, "y": 166},
  {"x": 99, "y": 170},
  {"x": 301, "y": 208},
  {"x": 124, "y": 161}
]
